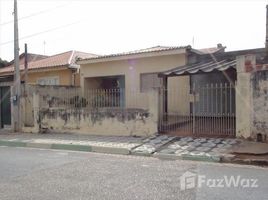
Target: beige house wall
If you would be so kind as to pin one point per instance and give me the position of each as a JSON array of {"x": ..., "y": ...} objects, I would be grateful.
[
  {"x": 65, "y": 76},
  {"x": 132, "y": 69},
  {"x": 179, "y": 95}
]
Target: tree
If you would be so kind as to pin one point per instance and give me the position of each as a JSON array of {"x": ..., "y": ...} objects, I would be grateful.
[{"x": 3, "y": 63}]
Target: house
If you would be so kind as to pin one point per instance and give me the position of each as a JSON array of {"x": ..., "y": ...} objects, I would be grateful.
[
  {"x": 136, "y": 71},
  {"x": 60, "y": 69},
  {"x": 6, "y": 80},
  {"x": 214, "y": 97},
  {"x": 197, "y": 95},
  {"x": 174, "y": 90}
]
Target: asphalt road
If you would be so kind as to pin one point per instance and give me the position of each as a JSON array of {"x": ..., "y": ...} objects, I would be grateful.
[{"x": 47, "y": 174}]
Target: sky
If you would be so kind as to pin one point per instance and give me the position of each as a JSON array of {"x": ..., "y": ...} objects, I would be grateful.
[{"x": 103, "y": 27}]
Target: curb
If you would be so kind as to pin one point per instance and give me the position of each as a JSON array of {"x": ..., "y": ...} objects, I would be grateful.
[
  {"x": 12, "y": 143},
  {"x": 258, "y": 162},
  {"x": 124, "y": 151},
  {"x": 136, "y": 153},
  {"x": 72, "y": 147},
  {"x": 201, "y": 158},
  {"x": 187, "y": 157},
  {"x": 165, "y": 156},
  {"x": 110, "y": 150}
]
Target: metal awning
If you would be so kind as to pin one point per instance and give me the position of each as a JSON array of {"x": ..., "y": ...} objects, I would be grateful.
[{"x": 201, "y": 67}]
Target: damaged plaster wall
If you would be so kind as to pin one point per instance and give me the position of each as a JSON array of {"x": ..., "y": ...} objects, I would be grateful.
[
  {"x": 61, "y": 109},
  {"x": 260, "y": 104},
  {"x": 104, "y": 121}
]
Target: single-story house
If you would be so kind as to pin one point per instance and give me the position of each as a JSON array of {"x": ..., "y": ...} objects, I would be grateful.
[
  {"x": 136, "y": 72},
  {"x": 197, "y": 93},
  {"x": 60, "y": 69}
]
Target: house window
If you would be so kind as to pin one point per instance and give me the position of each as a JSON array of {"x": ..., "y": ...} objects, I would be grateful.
[
  {"x": 48, "y": 80},
  {"x": 149, "y": 81}
]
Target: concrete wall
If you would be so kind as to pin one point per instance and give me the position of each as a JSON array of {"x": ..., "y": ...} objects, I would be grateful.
[
  {"x": 120, "y": 122},
  {"x": 179, "y": 95},
  {"x": 260, "y": 104},
  {"x": 251, "y": 98},
  {"x": 85, "y": 120}
]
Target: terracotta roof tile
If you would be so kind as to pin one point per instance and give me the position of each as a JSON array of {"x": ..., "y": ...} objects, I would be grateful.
[
  {"x": 147, "y": 50},
  {"x": 58, "y": 60}
]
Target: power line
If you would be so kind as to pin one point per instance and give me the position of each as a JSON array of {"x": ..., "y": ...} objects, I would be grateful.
[
  {"x": 39, "y": 33},
  {"x": 34, "y": 14}
]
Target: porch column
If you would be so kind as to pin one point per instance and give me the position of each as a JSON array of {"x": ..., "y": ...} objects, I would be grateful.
[
  {"x": 244, "y": 105},
  {"x": 165, "y": 98}
]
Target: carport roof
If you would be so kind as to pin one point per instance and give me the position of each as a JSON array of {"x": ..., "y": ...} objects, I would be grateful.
[{"x": 201, "y": 67}]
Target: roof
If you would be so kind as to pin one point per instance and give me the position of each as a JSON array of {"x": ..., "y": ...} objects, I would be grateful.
[
  {"x": 210, "y": 50},
  {"x": 31, "y": 57},
  {"x": 154, "y": 49},
  {"x": 217, "y": 61},
  {"x": 66, "y": 59},
  {"x": 201, "y": 67}
]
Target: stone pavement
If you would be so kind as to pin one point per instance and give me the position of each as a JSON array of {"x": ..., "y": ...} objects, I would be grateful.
[
  {"x": 206, "y": 149},
  {"x": 159, "y": 146},
  {"x": 152, "y": 144}
]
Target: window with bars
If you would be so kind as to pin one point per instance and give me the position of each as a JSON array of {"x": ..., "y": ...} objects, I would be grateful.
[
  {"x": 148, "y": 81},
  {"x": 48, "y": 80}
]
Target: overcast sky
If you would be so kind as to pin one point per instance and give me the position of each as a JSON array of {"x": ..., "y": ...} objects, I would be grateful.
[{"x": 104, "y": 27}]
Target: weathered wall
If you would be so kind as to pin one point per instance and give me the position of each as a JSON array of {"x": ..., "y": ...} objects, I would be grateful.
[
  {"x": 260, "y": 103},
  {"x": 251, "y": 98},
  {"x": 120, "y": 122},
  {"x": 53, "y": 111}
]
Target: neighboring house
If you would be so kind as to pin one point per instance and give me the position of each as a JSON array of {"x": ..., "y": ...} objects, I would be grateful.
[
  {"x": 60, "y": 69},
  {"x": 6, "y": 80}
]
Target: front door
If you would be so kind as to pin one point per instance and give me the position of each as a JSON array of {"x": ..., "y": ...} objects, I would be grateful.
[{"x": 5, "y": 106}]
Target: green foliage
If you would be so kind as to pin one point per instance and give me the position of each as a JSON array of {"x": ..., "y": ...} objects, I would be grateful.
[{"x": 3, "y": 63}]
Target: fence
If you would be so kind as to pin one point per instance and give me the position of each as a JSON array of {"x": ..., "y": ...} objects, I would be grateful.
[
  {"x": 95, "y": 111},
  {"x": 198, "y": 110},
  {"x": 75, "y": 98}
]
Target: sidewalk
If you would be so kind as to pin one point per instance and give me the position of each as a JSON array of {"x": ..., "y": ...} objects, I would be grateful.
[
  {"x": 102, "y": 144},
  {"x": 159, "y": 146}
]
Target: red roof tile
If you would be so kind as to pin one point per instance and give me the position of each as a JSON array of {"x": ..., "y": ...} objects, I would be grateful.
[
  {"x": 58, "y": 60},
  {"x": 147, "y": 50}
]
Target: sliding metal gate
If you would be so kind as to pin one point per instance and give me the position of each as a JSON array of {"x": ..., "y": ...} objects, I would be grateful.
[{"x": 200, "y": 110}]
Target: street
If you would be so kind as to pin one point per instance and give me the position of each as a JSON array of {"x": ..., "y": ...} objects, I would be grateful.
[{"x": 27, "y": 173}]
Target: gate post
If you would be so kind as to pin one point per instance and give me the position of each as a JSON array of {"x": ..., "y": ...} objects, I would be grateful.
[
  {"x": 193, "y": 104},
  {"x": 154, "y": 107},
  {"x": 245, "y": 64}
]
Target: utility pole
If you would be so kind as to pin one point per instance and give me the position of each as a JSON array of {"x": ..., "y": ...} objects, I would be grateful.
[
  {"x": 25, "y": 64},
  {"x": 25, "y": 77},
  {"x": 266, "y": 38},
  {"x": 17, "y": 83}
]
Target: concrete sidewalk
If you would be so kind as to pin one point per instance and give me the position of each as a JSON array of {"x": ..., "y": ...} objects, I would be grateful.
[
  {"x": 75, "y": 142},
  {"x": 159, "y": 146}
]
